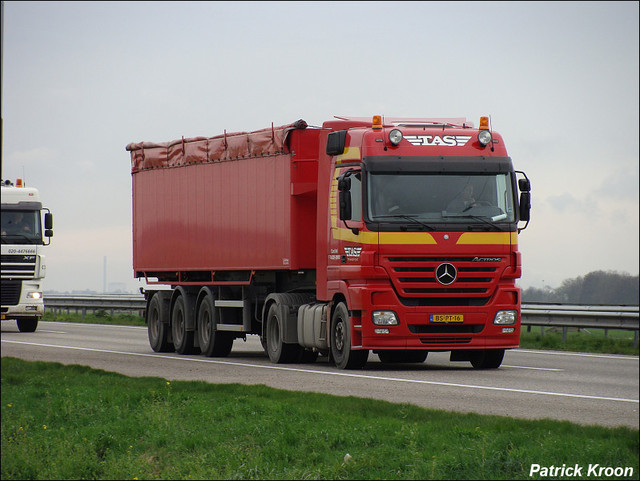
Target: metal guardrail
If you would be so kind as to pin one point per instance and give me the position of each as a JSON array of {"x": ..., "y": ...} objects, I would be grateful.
[
  {"x": 545, "y": 315},
  {"x": 567, "y": 316},
  {"x": 59, "y": 303}
]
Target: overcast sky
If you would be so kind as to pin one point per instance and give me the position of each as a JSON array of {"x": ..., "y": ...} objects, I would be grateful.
[{"x": 560, "y": 81}]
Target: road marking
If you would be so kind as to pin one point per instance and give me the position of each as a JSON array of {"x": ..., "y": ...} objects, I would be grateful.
[
  {"x": 534, "y": 368},
  {"x": 78, "y": 324},
  {"x": 342, "y": 374}
]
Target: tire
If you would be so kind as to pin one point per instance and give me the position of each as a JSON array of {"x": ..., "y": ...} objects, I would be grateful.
[
  {"x": 403, "y": 356},
  {"x": 182, "y": 339},
  {"x": 343, "y": 355},
  {"x": 278, "y": 351},
  {"x": 487, "y": 359},
  {"x": 213, "y": 343},
  {"x": 158, "y": 330},
  {"x": 27, "y": 324}
]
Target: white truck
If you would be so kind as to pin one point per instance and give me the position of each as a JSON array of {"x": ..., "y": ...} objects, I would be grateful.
[{"x": 23, "y": 263}]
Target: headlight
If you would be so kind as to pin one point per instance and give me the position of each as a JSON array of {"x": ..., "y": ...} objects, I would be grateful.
[
  {"x": 385, "y": 318},
  {"x": 395, "y": 136},
  {"x": 506, "y": 318},
  {"x": 484, "y": 137},
  {"x": 34, "y": 295}
]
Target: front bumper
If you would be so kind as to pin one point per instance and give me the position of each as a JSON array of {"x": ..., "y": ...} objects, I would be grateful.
[
  {"x": 416, "y": 328},
  {"x": 26, "y": 306}
]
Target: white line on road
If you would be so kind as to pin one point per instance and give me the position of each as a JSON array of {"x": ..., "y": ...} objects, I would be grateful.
[
  {"x": 534, "y": 368},
  {"x": 344, "y": 374}
]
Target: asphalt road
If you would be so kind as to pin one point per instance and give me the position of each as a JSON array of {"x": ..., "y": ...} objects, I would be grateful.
[{"x": 582, "y": 388}]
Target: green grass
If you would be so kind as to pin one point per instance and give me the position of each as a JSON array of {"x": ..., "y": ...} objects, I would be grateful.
[
  {"x": 73, "y": 422},
  {"x": 582, "y": 340},
  {"x": 97, "y": 317}
]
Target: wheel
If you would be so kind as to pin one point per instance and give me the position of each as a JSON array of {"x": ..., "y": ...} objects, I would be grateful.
[
  {"x": 182, "y": 339},
  {"x": 27, "y": 324},
  {"x": 403, "y": 356},
  {"x": 213, "y": 343},
  {"x": 278, "y": 351},
  {"x": 487, "y": 359},
  {"x": 343, "y": 355},
  {"x": 157, "y": 330}
]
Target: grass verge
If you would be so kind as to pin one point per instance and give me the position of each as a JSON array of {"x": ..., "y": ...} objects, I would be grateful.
[
  {"x": 97, "y": 317},
  {"x": 579, "y": 340},
  {"x": 74, "y": 422}
]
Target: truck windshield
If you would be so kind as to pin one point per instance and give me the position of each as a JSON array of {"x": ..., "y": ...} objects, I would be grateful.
[
  {"x": 21, "y": 227},
  {"x": 440, "y": 198}
]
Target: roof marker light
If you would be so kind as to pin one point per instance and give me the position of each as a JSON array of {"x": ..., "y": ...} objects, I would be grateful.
[
  {"x": 484, "y": 136},
  {"x": 376, "y": 123}
]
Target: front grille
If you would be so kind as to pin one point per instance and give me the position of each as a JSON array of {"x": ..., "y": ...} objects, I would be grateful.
[
  {"x": 414, "y": 279},
  {"x": 11, "y": 292},
  {"x": 18, "y": 267}
]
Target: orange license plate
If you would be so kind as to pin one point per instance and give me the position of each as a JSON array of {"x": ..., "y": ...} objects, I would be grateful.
[{"x": 446, "y": 318}]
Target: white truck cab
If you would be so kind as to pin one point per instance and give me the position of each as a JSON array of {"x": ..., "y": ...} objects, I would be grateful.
[{"x": 24, "y": 228}]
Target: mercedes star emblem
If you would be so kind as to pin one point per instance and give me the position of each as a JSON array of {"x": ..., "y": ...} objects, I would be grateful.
[{"x": 446, "y": 273}]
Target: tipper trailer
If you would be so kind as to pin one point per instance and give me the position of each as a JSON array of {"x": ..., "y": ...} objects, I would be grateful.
[{"x": 397, "y": 236}]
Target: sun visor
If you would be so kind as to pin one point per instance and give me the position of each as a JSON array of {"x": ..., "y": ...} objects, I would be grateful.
[{"x": 438, "y": 164}]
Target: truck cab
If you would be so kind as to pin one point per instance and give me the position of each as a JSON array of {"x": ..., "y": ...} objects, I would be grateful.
[
  {"x": 25, "y": 225},
  {"x": 422, "y": 239}
]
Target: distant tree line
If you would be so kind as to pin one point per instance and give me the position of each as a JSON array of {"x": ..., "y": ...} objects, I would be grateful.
[{"x": 599, "y": 287}]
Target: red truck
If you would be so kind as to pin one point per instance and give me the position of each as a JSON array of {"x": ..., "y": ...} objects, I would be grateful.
[{"x": 397, "y": 236}]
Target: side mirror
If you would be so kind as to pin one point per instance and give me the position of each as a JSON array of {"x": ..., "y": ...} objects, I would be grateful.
[
  {"x": 525, "y": 206},
  {"x": 524, "y": 210},
  {"x": 344, "y": 183},
  {"x": 344, "y": 196},
  {"x": 345, "y": 205},
  {"x": 336, "y": 142},
  {"x": 48, "y": 224}
]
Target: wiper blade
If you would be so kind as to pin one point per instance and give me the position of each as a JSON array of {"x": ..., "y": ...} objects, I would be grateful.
[
  {"x": 408, "y": 217},
  {"x": 6, "y": 237},
  {"x": 478, "y": 218}
]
